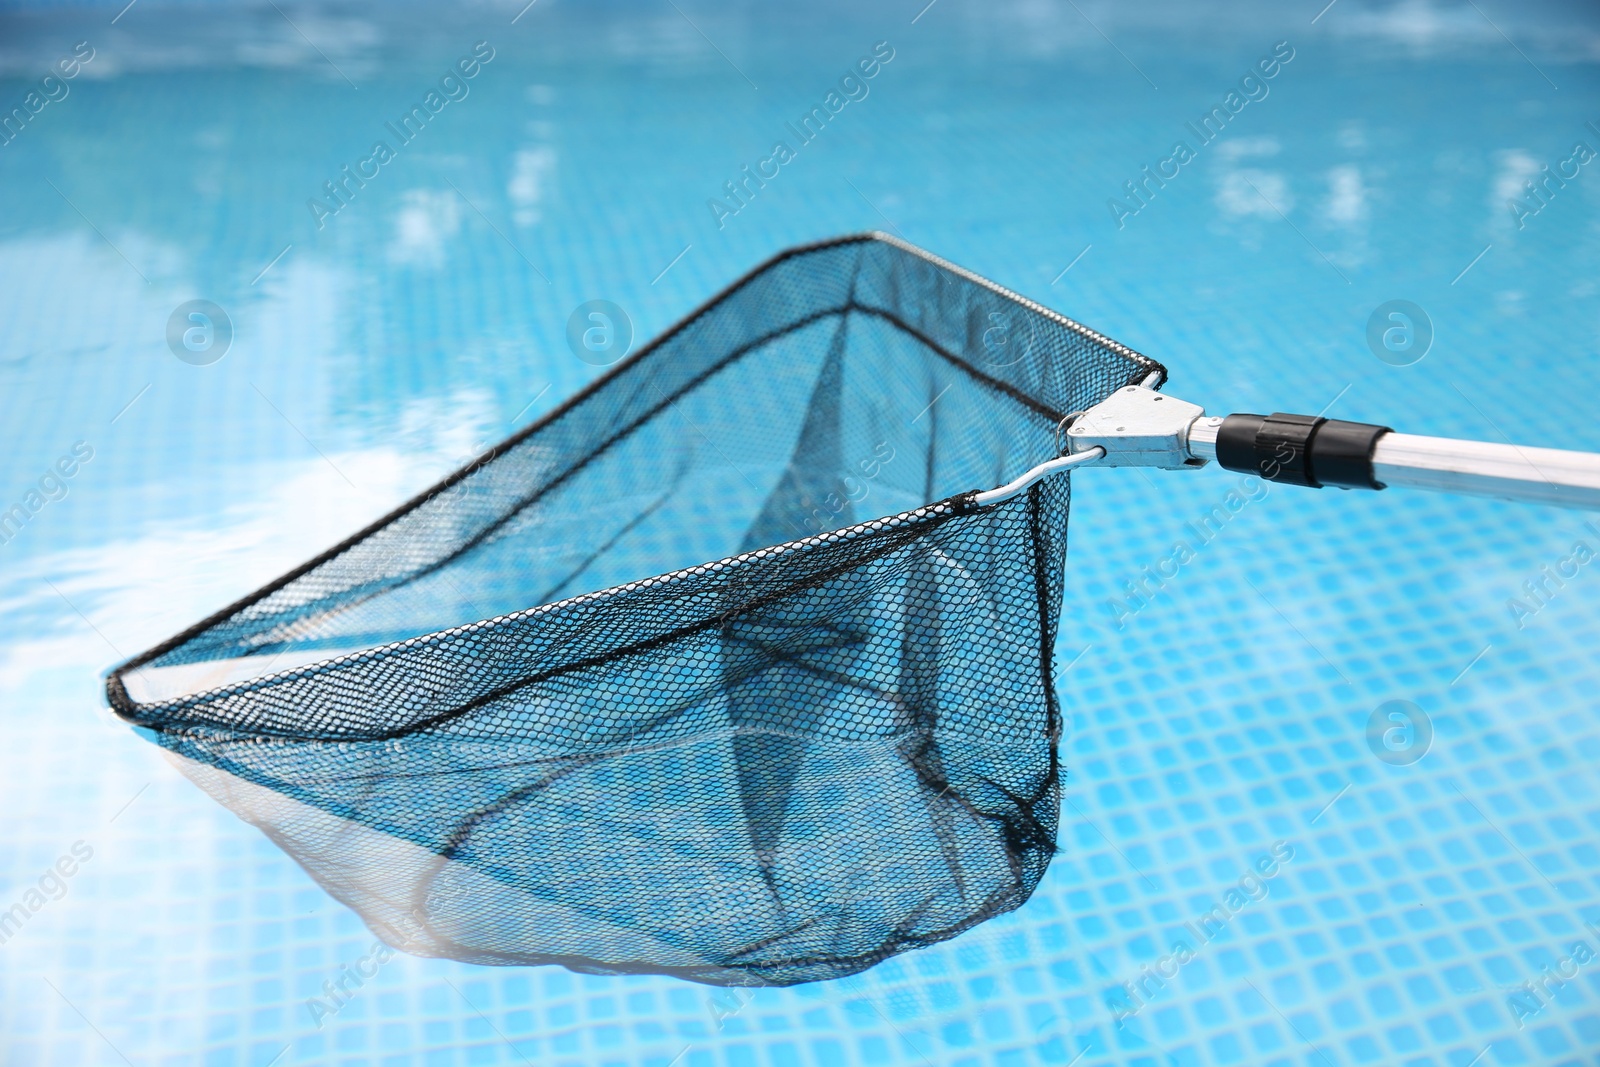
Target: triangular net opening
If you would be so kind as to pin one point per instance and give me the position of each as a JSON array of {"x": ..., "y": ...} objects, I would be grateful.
[{"x": 523, "y": 720}]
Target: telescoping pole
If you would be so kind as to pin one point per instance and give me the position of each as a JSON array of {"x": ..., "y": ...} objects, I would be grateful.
[{"x": 1139, "y": 427}]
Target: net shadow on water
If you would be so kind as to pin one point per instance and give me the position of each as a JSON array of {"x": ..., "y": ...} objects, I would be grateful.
[{"x": 834, "y": 743}]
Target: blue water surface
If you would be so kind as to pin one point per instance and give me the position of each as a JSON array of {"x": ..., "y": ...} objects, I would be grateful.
[{"x": 1229, "y": 705}]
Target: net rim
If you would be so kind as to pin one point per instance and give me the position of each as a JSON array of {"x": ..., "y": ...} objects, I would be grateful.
[{"x": 126, "y": 707}]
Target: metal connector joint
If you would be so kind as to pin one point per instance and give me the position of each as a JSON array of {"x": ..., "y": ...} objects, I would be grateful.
[{"x": 1138, "y": 427}]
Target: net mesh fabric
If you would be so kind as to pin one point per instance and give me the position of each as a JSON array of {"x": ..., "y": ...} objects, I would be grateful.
[{"x": 520, "y": 720}]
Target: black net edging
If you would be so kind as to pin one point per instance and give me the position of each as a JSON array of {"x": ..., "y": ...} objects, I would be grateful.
[{"x": 835, "y": 743}]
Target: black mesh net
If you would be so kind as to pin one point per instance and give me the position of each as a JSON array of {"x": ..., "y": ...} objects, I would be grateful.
[{"x": 520, "y": 720}]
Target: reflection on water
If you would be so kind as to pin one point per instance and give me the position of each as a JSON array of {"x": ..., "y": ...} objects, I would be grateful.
[{"x": 428, "y": 318}]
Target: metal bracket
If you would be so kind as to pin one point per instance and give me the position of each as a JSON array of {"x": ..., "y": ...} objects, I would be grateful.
[{"x": 1138, "y": 427}]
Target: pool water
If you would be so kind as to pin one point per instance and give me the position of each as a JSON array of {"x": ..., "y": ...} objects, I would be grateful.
[{"x": 1339, "y": 748}]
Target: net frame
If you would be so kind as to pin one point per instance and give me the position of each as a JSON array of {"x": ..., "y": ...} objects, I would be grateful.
[{"x": 1151, "y": 373}]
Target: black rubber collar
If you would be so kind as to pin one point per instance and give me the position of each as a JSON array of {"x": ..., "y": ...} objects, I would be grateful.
[{"x": 1300, "y": 449}]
